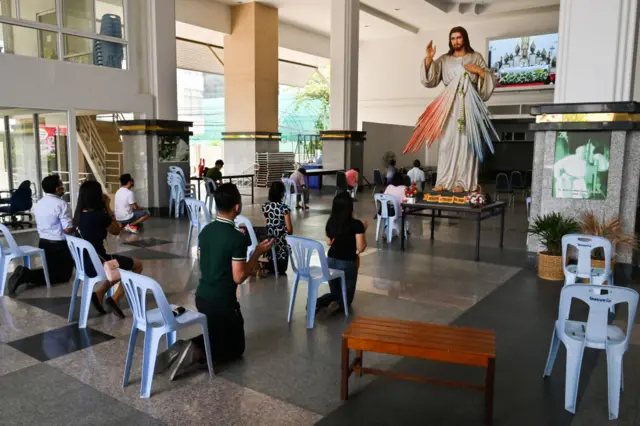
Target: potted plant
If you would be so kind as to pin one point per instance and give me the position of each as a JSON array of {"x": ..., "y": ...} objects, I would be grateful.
[
  {"x": 411, "y": 192},
  {"x": 550, "y": 228},
  {"x": 611, "y": 230}
]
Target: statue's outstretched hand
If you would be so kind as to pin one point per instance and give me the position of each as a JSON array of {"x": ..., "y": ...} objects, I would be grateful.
[{"x": 431, "y": 50}]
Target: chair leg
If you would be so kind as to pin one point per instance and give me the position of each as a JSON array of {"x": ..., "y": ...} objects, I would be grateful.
[
  {"x": 85, "y": 304},
  {"x": 389, "y": 230},
  {"x": 127, "y": 365},
  {"x": 343, "y": 282},
  {"x": 189, "y": 238},
  {"x": 5, "y": 272},
  {"x": 572, "y": 378},
  {"x": 553, "y": 351},
  {"x": 274, "y": 260},
  {"x": 614, "y": 377},
  {"x": 45, "y": 268},
  {"x": 151, "y": 342},
  {"x": 378, "y": 227},
  {"x": 171, "y": 338},
  {"x": 74, "y": 297},
  {"x": 294, "y": 291},
  {"x": 207, "y": 346},
  {"x": 312, "y": 300}
]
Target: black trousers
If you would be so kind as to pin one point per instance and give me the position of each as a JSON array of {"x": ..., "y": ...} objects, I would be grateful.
[
  {"x": 226, "y": 330},
  {"x": 59, "y": 261}
]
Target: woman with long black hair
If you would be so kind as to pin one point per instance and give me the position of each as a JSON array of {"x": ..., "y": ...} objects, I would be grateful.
[
  {"x": 346, "y": 238},
  {"x": 93, "y": 220}
]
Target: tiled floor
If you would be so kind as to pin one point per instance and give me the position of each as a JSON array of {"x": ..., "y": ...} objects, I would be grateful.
[{"x": 53, "y": 373}]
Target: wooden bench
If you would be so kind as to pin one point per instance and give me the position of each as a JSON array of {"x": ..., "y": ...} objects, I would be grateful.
[{"x": 442, "y": 343}]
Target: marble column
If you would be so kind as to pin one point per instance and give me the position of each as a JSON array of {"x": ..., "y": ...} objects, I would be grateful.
[
  {"x": 342, "y": 144},
  {"x": 250, "y": 86},
  {"x": 161, "y": 55},
  {"x": 597, "y": 51}
]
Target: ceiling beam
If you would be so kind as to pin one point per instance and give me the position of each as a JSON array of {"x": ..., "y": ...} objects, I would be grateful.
[
  {"x": 444, "y": 6},
  {"x": 388, "y": 18}
]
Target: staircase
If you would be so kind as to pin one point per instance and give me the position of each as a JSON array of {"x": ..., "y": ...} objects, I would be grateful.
[{"x": 101, "y": 145}]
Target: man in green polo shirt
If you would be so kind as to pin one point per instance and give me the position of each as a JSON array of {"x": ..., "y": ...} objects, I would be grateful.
[
  {"x": 215, "y": 173},
  {"x": 223, "y": 267}
]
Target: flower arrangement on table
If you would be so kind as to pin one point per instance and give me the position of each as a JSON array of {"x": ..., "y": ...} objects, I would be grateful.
[{"x": 411, "y": 192}]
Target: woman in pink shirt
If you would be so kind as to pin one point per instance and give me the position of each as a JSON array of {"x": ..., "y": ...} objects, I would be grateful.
[
  {"x": 352, "y": 177},
  {"x": 396, "y": 190}
]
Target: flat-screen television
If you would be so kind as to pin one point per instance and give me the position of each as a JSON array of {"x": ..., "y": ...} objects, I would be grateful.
[{"x": 524, "y": 61}]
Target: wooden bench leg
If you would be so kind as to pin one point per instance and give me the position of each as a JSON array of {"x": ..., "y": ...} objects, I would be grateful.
[
  {"x": 488, "y": 392},
  {"x": 361, "y": 362},
  {"x": 344, "y": 389}
]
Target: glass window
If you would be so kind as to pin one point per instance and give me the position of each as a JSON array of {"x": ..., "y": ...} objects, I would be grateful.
[
  {"x": 94, "y": 52},
  {"x": 78, "y": 14},
  {"x": 53, "y": 145},
  {"x": 8, "y": 8},
  {"x": 38, "y": 10},
  {"x": 23, "y": 150},
  {"x": 110, "y": 18},
  {"x": 4, "y": 167},
  {"x": 25, "y": 41}
]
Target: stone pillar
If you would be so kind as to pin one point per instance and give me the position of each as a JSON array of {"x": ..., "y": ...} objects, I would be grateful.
[
  {"x": 560, "y": 131},
  {"x": 597, "y": 51},
  {"x": 342, "y": 145},
  {"x": 162, "y": 58},
  {"x": 149, "y": 148},
  {"x": 250, "y": 86}
]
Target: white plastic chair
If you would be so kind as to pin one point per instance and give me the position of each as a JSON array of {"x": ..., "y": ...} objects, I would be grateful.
[
  {"x": 596, "y": 334},
  {"x": 302, "y": 249},
  {"x": 210, "y": 188},
  {"x": 77, "y": 247},
  {"x": 176, "y": 194},
  {"x": 155, "y": 323},
  {"x": 244, "y": 221},
  {"x": 14, "y": 251},
  {"x": 190, "y": 188},
  {"x": 385, "y": 221},
  {"x": 583, "y": 270},
  {"x": 195, "y": 208},
  {"x": 291, "y": 193}
]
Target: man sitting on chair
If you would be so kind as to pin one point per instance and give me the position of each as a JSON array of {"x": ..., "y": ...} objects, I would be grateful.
[
  {"x": 301, "y": 187},
  {"x": 53, "y": 220},
  {"x": 128, "y": 213}
]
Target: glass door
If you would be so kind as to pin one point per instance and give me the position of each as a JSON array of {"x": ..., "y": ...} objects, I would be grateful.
[{"x": 24, "y": 152}]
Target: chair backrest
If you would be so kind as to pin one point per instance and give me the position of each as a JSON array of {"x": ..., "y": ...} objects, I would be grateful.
[
  {"x": 377, "y": 177},
  {"x": 194, "y": 209},
  {"x": 289, "y": 186},
  {"x": 341, "y": 181},
  {"x": 599, "y": 306},
  {"x": 21, "y": 199},
  {"x": 384, "y": 200},
  {"x": 10, "y": 240},
  {"x": 209, "y": 186},
  {"x": 302, "y": 250},
  {"x": 502, "y": 182},
  {"x": 178, "y": 170},
  {"x": 78, "y": 248},
  {"x": 516, "y": 180},
  {"x": 136, "y": 287},
  {"x": 244, "y": 221},
  {"x": 585, "y": 244}
]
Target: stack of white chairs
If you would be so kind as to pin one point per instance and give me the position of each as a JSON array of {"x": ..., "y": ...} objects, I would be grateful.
[{"x": 179, "y": 189}]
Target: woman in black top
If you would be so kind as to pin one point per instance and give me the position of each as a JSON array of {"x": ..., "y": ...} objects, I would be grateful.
[
  {"x": 93, "y": 220},
  {"x": 346, "y": 237}
]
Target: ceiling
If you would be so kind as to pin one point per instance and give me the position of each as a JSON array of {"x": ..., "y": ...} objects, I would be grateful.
[{"x": 396, "y": 18}]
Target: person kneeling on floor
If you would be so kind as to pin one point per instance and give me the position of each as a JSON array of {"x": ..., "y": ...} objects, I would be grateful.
[
  {"x": 223, "y": 267},
  {"x": 128, "y": 213}
]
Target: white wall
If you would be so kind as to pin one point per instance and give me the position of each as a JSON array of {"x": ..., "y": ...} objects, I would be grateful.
[
  {"x": 389, "y": 80},
  {"x": 386, "y": 137}
]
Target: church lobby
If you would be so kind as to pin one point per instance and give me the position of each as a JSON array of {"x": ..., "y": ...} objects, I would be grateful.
[{"x": 52, "y": 372}]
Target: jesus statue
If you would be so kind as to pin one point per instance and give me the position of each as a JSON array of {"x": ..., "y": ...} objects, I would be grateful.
[{"x": 458, "y": 118}]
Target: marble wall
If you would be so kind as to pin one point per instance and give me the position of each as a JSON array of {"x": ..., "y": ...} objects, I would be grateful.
[{"x": 622, "y": 195}]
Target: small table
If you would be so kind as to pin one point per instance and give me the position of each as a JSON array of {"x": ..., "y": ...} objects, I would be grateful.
[
  {"x": 442, "y": 343},
  {"x": 478, "y": 214},
  {"x": 321, "y": 172}
]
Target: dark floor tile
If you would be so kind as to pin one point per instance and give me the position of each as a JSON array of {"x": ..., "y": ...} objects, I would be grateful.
[
  {"x": 58, "y": 306},
  {"x": 149, "y": 254},
  {"x": 62, "y": 341},
  {"x": 44, "y": 395},
  {"x": 147, "y": 242}
]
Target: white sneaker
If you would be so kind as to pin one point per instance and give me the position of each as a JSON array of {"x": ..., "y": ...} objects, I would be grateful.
[{"x": 131, "y": 228}]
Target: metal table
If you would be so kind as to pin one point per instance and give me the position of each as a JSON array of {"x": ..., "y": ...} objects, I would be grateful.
[
  {"x": 230, "y": 178},
  {"x": 477, "y": 214},
  {"x": 320, "y": 172}
]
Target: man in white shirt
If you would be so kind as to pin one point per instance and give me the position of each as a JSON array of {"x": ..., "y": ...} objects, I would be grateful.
[
  {"x": 417, "y": 175},
  {"x": 53, "y": 220},
  {"x": 128, "y": 212}
]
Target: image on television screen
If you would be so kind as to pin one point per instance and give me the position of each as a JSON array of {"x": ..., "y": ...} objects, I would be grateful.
[
  {"x": 524, "y": 61},
  {"x": 581, "y": 165}
]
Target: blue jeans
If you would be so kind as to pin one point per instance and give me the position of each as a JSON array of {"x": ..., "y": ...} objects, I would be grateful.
[
  {"x": 137, "y": 214},
  {"x": 350, "y": 268}
]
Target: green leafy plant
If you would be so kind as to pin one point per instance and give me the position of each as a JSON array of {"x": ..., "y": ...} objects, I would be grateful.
[
  {"x": 550, "y": 228},
  {"x": 612, "y": 230}
]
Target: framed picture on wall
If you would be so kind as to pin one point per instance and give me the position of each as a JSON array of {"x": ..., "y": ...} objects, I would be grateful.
[
  {"x": 581, "y": 165},
  {"x": 172, "y": 149}
]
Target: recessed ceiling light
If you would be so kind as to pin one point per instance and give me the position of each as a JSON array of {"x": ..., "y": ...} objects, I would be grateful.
[
  {"x": 366, "y": 26},
  {"x": 397, "y": 10}
]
